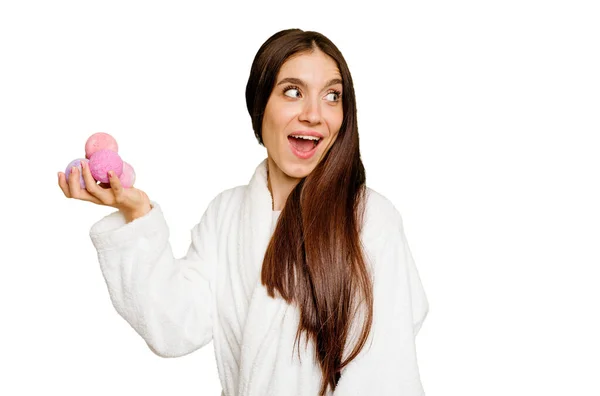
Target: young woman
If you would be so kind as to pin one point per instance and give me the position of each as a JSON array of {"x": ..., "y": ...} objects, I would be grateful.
[{"x": 304, "y": 250}]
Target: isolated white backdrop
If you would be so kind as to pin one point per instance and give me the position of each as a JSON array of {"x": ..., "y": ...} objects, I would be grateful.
[{"x": 479, "y": 121}]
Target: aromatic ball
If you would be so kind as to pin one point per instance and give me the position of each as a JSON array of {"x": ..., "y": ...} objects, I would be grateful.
[
  {"x": 104, "y": 160},
  {"x": 100, "y": 141},
  {"x": 77, "y": 163},
  {"x": 128, "y": 177}
]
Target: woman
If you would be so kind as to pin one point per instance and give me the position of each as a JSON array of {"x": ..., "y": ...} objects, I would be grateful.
[{"x": 305, "y": 249}]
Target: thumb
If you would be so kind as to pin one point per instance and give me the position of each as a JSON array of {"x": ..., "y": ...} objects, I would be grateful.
[{"x": 117, "y": 188}]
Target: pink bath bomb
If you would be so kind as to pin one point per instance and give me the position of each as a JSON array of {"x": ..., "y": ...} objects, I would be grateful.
[
  {"x": 100, "y": 141},
  {"x": 77, "y": 163},
  {"x": 104, "y": 160},
  {"x": 128, "y": 177}
]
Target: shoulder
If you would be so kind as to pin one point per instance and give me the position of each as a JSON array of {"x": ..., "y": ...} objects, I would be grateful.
[
  {"x": 226, "y": 200},
  {"x": 380, "y": 210},
  {"x": 226, "y": 197},
  {"x": 381, "y": 217}
]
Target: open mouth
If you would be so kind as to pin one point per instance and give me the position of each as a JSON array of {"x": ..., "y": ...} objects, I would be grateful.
[{"x": 304, "y": 144}]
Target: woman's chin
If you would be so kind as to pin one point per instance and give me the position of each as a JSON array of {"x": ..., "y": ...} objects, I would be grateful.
[
  {"x": 298, "y": 171},
  {"x": 294, "y": 167}
]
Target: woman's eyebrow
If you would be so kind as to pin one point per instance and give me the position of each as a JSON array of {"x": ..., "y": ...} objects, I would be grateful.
[{"x": 297, "y": 81}]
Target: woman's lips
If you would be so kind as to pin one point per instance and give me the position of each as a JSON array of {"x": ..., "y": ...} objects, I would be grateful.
[{"x": 303, "y": 154}]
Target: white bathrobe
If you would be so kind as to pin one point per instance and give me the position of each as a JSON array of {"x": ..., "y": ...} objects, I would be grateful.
[{"x": 214, "y": 293}]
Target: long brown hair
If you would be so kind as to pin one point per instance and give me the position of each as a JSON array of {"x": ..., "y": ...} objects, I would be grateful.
[{"x": 315, "y": 257}]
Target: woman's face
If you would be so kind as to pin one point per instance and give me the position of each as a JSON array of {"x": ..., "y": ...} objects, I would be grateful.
[{"x": 306, "y": 98}]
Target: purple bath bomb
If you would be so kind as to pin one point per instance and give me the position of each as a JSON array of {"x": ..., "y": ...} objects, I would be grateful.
[
  {"x": 128, "y": 176},
  {"x": 104, "y": 160},
  {"x": 77, "y": 163},
  {"x": 100, "y": 141}
]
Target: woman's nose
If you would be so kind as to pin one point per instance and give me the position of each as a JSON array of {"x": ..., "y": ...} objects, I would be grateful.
[{"x": 311, "y": 111}]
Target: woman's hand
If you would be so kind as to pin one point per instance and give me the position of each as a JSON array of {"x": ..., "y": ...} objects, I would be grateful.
[{"x": 133, "y": 203}]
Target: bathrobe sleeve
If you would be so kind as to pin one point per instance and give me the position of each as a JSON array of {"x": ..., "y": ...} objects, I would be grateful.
[
  {"x": 387, "y": 364},
  {"x": 168, "y": 301}
]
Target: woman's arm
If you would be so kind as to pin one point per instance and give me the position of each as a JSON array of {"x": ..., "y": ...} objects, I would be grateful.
[
  {"x": 387, "y": 365},
  {"x": 167, "y": 300}
]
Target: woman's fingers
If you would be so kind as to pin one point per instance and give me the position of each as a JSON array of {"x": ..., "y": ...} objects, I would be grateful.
[
  {"x": 62, "y": 183},
  {"x": 104, "y": 196},
  {"x": 116, "y": 188},
  {"x": 77, "y": 192},
  {"x": 109, "y": 194}
]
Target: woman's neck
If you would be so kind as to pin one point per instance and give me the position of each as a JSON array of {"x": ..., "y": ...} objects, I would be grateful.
[{"x": 280, "y": 185}]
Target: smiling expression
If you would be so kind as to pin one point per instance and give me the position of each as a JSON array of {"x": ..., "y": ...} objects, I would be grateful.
[{"x": 306, "y": 97}]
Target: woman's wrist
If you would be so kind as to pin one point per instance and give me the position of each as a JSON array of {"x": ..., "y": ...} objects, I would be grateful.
[{"x": 131, "y": 215}]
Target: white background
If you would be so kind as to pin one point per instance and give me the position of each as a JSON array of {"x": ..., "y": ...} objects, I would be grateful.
[{"x": 479, "y": 120}]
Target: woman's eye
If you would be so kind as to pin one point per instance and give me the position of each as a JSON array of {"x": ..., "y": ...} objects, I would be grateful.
[
  {"x": 335, "y": 94},
  {"x": 286, "y": 92},
  {"x": 291, "y": 89}
]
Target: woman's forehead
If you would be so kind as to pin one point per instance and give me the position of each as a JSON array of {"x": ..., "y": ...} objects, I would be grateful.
[{"x": 311, "y": 68}]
